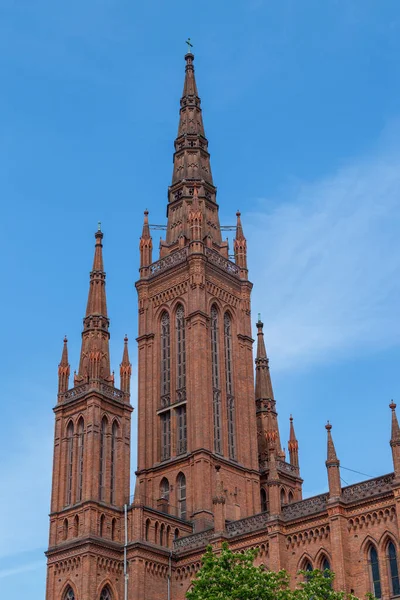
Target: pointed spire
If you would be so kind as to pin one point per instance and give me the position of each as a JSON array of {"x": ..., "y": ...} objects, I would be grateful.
[
  {"x": 240, "y": 247},
  {"x": 95, "y": 359},
  {"x": 145, "y": 247},
  {"x": 263, "y": 377},
  {"x": 125, "y": 369},
  {"x": 332, "y": 465},
  {"x": 267, "y": 417},
  {"x": 63, "y": 369},
  {"x": 293, "y": 446},
  {"x": 192, "y": 168},
  {"x": 395, "y": 440}
]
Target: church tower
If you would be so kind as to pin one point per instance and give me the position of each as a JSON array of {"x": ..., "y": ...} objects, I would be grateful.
[
  {"x": 91, "y": 457},
  {"x": 196, "y": 414}
]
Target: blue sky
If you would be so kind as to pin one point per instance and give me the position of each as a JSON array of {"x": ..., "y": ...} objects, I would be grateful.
[{"x": 301, "y": 108}]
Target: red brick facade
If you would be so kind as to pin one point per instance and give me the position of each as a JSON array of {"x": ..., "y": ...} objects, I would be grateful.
[{"x": 210, "y": 461}]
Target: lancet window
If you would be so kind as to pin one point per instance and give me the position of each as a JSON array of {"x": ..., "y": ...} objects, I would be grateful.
[
  {"x": 165, "y": 360},
  {"x": 393, "y": 569},
  {"x": 102, "y": 459},
  {"x": 69, "y": 594},
  {"x": 106, "y": 594},
  {"x": 166, "y": 435},
  {"x": 181, "y": 430},
  {"x": 230, "y": 399},
  {"x": 164, "y": 489},
  {"x": 375, "y": 573},
  {"x": 180, "y": 354},
  {"x": 216, "y": 381},
  {"x": 264, "y": 500},
  {"x": 81, "y": 447},
  {"x": 181, "y": 489},
  {"x": 114, "y": 433},
  {"x": 70, "y": 462}
]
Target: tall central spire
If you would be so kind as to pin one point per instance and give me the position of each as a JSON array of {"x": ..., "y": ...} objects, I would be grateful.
[
  {"x": 192, "y": 170},
  {"x": 95, "y": 355}
]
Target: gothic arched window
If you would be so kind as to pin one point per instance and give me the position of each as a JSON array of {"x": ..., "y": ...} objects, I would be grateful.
[
  {"x": 70, "y": 462},
  {"x": 147, "y": 530},
  {"x": 325, "y": 564},
  {"x": 230, "y": 399},
  {"x": 375, "y": 574},
  {"x": 65, "y": 529},
  {"x": 166, "y": 435},
  {"x": 180, "y": 353},
  {"x": 164, "y": 489},
  {"x": 290, "y": 498},
  {"x": 76, "y": 526},
  {"x": 283, "y": 497},
  {"x": 102, "y": 525},
  {"x": 69, "y": 594},
  {"x": 393, "y": 569},
  {"x": 264, "y": 500},
  {"x": 81, "y": 441},
  {"x": 181, "y": 427},
  {"x": 113, "y": 529},
  {"x": 114, "y": 434},
  {"x": 216, "y": 381},
  {"x": 102, "y": 457},
  {"x": 181, "y": 495},
  {"x": 106, "y": 594},
  {"x": 165, "y": 360},
  {"x": 162, "y": 530}
]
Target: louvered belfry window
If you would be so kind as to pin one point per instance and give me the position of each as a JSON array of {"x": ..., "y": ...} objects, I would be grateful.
[
  {"x": 114, "y": 433},
  {"x": 70, "y": 462},
  {"x": 165, "y": 361},
  {"x": 166, "y": 435},
  {"x": 181, "y": 430},
  {"x": 180, "y": 354},
  {"x": 216, "y": 382},
  {"x": 81, "y": 448},
  {"x": 230, "y": 398}
]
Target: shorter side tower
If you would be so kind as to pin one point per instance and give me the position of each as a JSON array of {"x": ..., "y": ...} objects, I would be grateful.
[{"x": 91, "y": 459}]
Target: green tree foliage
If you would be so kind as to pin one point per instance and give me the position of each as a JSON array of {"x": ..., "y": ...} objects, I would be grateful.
[{"x": 233, "y": 576}]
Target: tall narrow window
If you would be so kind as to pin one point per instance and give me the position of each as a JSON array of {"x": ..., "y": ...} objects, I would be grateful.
[
  {"x": 69, "y": 594},
  {"x": 102, "y": 456},
  {"x": 393, "y": 569},
  {"x": 102, "y": 525},
  {"x": 147, "y": 530},
  {"x": 162, "y": 530},
  {"x": 264, "y": 500},
  {"x": 70, "y": 462},
  {"x": 81, "y": 441},
  {"x": 165, "y": 361},
  {"x": 376, "y": 578},
  {"x": 164, "y": 489},
  {"x": 230, "y": 399},
  {"x": 216, "y": 381},
  {"x": 180, "y": 355},
  {"x": 113, "y": 529},
  {"x": 181, "y": 430},
  {"x": 114, "y": 434},
  {"x": 181, "y": 489},
  {"x": 165, "y": 435},
  {"x": 76, "y": 526},
  {"x": 106, "y": 594}
]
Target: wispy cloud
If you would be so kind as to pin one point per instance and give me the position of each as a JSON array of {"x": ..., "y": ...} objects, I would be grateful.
[
  {"x": 22, "y": 569},
  {"x": 326, "y": 263}
]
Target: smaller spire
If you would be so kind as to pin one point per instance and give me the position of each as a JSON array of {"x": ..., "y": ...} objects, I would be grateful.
[
  {"x": 263, "y": 376},
  {"x": 125, "y": 369},
  {"x": 395, "y": 441},
  {"x": 331, "y": 452},
  {"x": 293, "y": 446},
  {"x": 145, "y": 246},
  {"x": 240, "y": 247},
  {"x": 332, "y": 465},
  {"x": 63, "y": 369}
]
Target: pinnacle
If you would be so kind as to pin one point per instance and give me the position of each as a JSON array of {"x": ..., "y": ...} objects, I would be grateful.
[
  {"x": 395, "y": 436},
  {"x": 331, "y": 452}
]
